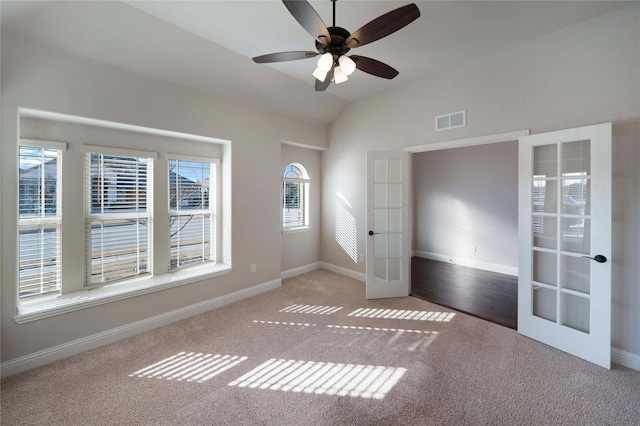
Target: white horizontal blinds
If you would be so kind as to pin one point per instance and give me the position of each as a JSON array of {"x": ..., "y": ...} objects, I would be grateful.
[
  {"x": 117, "y": 215},
  {"x": 39, "y": 221},
  {"x": 191, "y": 213},
  {"x": 294, "y": 197}
]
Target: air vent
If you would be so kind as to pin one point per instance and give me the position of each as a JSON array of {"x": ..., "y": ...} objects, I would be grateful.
[{"x": 451, "y": 121}]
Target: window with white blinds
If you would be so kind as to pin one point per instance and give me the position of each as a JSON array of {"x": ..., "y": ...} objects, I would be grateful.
[
  {"x": 295, "y": 197},
  {"x": 118, "y": 190},
  {"x": 191, "y": 211},
  {"x": 39, "y": 220}
]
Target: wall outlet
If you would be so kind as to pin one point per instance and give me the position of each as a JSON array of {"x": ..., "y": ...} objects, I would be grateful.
[
  {"x": 361, "y": 257},
  {"x": 473, "y": 249},
  {"x": 252, "y": 268}
]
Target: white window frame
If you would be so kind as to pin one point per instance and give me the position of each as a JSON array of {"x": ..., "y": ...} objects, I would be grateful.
[
  {"x": 40, "y": 220},
  {"x": 75, "y": 295},
  {"x": 303, "y": 182},
  {"x": 212, "y": 211}
]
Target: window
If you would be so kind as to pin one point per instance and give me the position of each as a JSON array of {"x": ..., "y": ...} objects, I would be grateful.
[
  {"x": 98, "y": 224},
  {"x": 39, "y": 219},
  {"x": 295, "y": 197},
  {"x": 117, "y": 215},
  {"x": 192, "y": 214}
]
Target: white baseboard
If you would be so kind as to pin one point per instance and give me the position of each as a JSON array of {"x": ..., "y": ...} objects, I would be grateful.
[
  {"x": 626, "y": 359},
  {"x": 485, "y": 266},
  {"x": 65, "y": 350},
  {"x": 299, "y": 270},
  {"x": 344, "y": 271}
]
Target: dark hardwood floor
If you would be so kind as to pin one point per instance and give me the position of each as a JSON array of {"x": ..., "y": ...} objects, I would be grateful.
[{"x": 487, "y": 295}]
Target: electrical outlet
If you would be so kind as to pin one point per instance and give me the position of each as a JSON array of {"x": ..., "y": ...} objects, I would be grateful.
[
  {"x": 252, "y": 268},
  {"x": 361, "y": 257},
  {"x": 473, "y": 249}
]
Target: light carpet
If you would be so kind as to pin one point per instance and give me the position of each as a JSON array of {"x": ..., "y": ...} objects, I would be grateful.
[{"x": 316, "y": 352}]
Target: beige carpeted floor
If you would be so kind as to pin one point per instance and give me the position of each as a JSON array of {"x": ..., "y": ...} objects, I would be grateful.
[{"x": 315, "y": 352}]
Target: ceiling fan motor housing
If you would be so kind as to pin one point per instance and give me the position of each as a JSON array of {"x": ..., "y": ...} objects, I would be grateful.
[{"x": 337, "y": 47}]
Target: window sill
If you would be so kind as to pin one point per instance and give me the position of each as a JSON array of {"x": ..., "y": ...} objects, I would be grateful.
[
  {"x": 35, "y": 310},
  {"x": 296, "y": 230}
]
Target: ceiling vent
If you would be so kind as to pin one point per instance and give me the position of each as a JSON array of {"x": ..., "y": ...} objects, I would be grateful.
[{"x": 451, "y": 121}]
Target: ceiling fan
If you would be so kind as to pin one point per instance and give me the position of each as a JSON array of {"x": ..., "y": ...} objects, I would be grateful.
[{"x": 333, "y": 43}]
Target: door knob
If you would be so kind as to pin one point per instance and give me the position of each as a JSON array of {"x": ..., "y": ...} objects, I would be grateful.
[
  {"x": 372, "y": 233},
  {"x": 598, "y": 258}
]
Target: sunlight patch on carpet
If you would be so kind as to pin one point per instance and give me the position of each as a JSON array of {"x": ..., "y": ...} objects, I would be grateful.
[
  {"x": 282, "y": 323},
  {"x": 311, "y": 309},
  {"x": 396, "y": 339},
  {"x": 322, "y": 378},
  {"x": 403, "y": 314},
  {"x": 190, "y": 367}
]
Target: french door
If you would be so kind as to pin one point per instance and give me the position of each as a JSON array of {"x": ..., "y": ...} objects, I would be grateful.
[
  {"x": 564, "y": 283},
  {"x": 388, "y": 224}
]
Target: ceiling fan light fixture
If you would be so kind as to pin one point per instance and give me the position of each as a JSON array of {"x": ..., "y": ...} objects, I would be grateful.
[
  {"x": 347, "y": 64},
  {"x": 325, "y": 62},
  {"x": 339, "y": 75},
  {"x": 319, "y": 74}
]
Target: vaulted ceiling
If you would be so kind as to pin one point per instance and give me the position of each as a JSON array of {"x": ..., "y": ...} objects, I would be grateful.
[{"x": 208, "y": 45}]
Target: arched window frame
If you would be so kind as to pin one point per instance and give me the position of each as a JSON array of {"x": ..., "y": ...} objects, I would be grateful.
[{"x": 295, "y": 208}]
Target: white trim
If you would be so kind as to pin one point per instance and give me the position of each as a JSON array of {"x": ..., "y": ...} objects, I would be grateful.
[
  {"x": 289, "y": 273},
  {"x": 118, "y": 151},
  {"x": 64, "y": 350},
  {"x": 459, "y": 143},
  {"x": 303, "y": 145},
  {"x": 296, "y": 230},
  {"x": 54, "y": 116},
  {"x": 485, "y": 266},
  {"x": 360, "y": 276},
  {"x": 70, "y": 302},
  {"x": 625, "y": 359},
  {"x": 193, "y": 158},
  {"x": 41, "y": 143}
]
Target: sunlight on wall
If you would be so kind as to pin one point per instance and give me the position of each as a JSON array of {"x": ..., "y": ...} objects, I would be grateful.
[
  {"x": 311, "y": 309},
  {"x": 190, "y": 367},
  {"x": 346, "y": 228},
  {"x": 320, "y": 378},
  {"x": 403, "y": 314}
]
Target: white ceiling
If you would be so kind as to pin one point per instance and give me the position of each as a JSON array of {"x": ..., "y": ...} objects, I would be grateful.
[{"x": 207, "y": 45}]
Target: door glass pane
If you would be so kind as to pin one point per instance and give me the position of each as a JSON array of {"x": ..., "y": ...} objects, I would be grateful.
[
  {"x": 395, "y": 195},
  {"x": 575, "y": 273},
  {"x": 380, "y": 170},
  {"x": 575, "y": 312},
  {"x": 545, "y": 196},
  {"x": 380, "y": 219},
  {"x": 545, "y": 161},
  {"x": 380, "y": 246},
  {"x": 395, "y": 171},
  {"x": 394, "y": 270},
  {"x": 576, "y": 236},
  {"x": 395, "y": 245},
  {"x": 544, "y": 303},
  {"x": 575, "y": 196},
  {"x": 545, "y": 231},
  {"x": 380, "y": 195},
  {"x": 576, "y": 158},
  {"x": 395, "y": 220},
  {"x": 380, "y": 269},
  {"x": 544, "y": 268}
]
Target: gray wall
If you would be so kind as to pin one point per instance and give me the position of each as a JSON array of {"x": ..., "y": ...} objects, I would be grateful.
[
  {"x": 300, "y": 249},
  {"x": 581, "y": 75},
  {"x": 47, "y": 79},
  {"x": 465, "y": 205}
]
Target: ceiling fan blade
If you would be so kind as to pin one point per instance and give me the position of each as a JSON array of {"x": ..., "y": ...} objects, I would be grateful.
[
  {"x": 307, "y": 16},
  {"x": 383, "y": 25},
  {"x": 284, "y": 56},
  {"x": 374, "y": 67},
  {"x": 322, "y": 85}
]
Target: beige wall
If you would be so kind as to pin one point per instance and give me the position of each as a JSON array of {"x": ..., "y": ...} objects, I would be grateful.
[
  {"x": 46, "y": 79},
  {"x": 580, "y": 75}
]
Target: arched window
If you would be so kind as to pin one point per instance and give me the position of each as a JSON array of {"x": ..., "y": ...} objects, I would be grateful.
[{"x": 295, "y": 197}]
